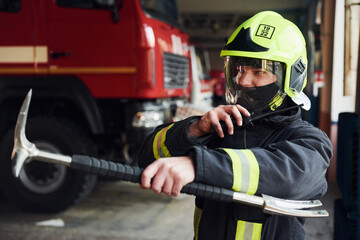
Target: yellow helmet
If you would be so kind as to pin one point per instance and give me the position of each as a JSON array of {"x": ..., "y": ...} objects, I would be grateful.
[{"x": 268, "y": 36}]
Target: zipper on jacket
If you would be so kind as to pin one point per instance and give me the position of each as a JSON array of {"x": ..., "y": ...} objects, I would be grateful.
[{"x": 245, "y": 138}]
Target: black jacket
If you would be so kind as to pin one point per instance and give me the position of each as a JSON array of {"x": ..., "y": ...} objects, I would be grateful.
[{"x": 281, "y": 156}]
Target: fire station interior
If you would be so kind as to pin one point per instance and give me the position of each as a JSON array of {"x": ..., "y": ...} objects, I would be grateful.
[{"x": 122, "y": 210}]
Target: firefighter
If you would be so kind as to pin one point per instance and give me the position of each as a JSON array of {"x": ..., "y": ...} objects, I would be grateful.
[{"x": 257, "y": 144}]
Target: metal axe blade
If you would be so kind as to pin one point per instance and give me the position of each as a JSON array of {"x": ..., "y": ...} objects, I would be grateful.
[
  {"x": 22, "y": 146},
  {"x": 24, "y": 151},
  {"x": 279, "y": 206}
]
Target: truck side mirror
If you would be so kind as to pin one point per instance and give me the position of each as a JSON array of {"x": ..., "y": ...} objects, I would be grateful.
[
  {"x": 114, "y": 5},
  {"x": 117, "y": 5},
  {"x": 115, "y": 13}
]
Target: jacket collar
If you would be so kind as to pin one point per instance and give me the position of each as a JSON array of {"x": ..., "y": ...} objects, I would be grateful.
[{"x": 277, "y": 119}]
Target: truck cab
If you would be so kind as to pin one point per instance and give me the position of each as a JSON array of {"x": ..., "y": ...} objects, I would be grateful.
[{"x": 104, "y": 74}]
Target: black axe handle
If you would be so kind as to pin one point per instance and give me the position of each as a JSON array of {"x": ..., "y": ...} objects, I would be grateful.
[{"x": 133, "y": 174}]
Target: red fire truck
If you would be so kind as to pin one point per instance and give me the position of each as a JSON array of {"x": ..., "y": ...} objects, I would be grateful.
[{"x": 104, "y": 73}]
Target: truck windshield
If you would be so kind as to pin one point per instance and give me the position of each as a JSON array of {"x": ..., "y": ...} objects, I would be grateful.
[{"x": 164, "y": 10}]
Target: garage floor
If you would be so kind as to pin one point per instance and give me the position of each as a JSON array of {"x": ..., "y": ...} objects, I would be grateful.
[{"x": 119, "y": 210}]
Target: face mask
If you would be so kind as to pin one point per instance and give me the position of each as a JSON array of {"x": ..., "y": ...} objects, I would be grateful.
[{"x": 254, "y": 99}]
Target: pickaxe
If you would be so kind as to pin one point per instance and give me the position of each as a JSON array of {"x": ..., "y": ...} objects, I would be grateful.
[{"x": 25, "y": 151}]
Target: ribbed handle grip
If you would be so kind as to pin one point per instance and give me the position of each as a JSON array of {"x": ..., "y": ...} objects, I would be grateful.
[
  {"x": 106, "y": 168},
  {"x": 208, "y": 191},
  {"x": 133, "y": 174}
]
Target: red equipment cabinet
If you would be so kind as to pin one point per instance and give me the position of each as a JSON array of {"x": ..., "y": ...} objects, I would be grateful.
[{"x": 104, "y": 73}]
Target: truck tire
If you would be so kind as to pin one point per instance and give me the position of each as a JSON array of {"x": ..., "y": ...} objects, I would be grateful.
[{"x": 44, "y": 187}]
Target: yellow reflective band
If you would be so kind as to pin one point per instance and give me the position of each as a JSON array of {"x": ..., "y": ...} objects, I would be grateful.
[
  {"x": 159, "y": 148},
  {"x": 197, "y": 217},
  {"x": 245, "y": 170},
  {"x": 236, "y": 166},
  {"x": 254, "y": 171},
  {"x": 248, "y": 231}
]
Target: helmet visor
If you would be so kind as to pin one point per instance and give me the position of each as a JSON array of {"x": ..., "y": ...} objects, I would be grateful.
[{"x": 253, "y": 83}]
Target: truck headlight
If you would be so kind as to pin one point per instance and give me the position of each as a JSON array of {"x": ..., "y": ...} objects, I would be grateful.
[{"x": 148, "y": 119}]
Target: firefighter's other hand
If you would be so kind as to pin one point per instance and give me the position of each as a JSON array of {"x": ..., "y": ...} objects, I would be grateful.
[
  {"x": 211, "y": 120},
  {"x": 168, "y": 175}
]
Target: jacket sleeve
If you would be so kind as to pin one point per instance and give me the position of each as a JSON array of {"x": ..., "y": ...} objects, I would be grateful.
[
  {"x": 167, "y": 140},
  {"x": 294, "y": 168}
]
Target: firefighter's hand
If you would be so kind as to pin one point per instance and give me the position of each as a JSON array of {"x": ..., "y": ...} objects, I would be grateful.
[
  {"x": 168, "y": 175},
  {"x": 211, "y": 120}
]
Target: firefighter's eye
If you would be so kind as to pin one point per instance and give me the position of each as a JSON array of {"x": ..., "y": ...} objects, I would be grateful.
[{"x": 259, "y": 72}]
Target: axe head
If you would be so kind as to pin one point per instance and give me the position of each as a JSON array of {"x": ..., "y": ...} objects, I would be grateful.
[{"x": 23, "y": 149}]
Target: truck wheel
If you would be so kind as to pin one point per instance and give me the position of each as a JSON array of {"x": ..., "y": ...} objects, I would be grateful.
[{"x": 45, "y": 187}]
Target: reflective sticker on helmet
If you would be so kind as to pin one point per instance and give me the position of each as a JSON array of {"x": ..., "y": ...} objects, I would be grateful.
[{"x": 265, "y": 31}]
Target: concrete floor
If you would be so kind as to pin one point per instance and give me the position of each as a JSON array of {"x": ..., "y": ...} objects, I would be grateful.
[
  {"x": 323, "y": 228},
  {"x": 120, "y": 210}
]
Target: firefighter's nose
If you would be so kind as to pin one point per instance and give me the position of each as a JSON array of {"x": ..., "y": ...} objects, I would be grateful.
[{"x": 247, "y": 79}]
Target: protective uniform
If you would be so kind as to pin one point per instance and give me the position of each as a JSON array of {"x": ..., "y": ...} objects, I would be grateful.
[{"x": 279, "y": 154}]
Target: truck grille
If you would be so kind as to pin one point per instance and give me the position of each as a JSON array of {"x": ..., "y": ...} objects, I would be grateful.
[{"x": 176, "y": 71}]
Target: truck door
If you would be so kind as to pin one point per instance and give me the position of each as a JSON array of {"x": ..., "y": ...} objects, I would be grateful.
[
  {"x": 86, "y": 42},
  {"x": 19, "y": 49}
]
